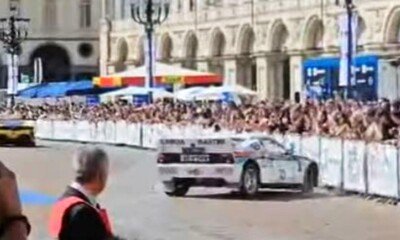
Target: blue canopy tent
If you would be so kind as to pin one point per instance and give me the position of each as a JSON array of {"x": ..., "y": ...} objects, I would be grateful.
[
  {"x": 30, "y": 92},
  {"x": 55, "y": 89}
]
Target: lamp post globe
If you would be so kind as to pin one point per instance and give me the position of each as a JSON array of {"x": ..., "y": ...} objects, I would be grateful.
[
  {"x": 13, "y": 31},
  {"x": 150, "y": 13}
]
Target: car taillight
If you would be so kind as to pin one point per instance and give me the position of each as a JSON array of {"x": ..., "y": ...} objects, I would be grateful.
[
  {"x": 161, "y": 158},
  {"x": 228, "y": 158},
  {"x": 241, "y": 154}
]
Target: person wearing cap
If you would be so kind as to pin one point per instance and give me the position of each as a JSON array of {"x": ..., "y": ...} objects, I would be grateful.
[{"x": 77, "y": 215}]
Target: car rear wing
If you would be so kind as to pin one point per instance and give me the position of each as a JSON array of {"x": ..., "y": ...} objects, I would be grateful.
[{"x": 193, "y": 145}]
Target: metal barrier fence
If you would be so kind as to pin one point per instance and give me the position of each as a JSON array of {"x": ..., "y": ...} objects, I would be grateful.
[{"x": 371, "y": 169}]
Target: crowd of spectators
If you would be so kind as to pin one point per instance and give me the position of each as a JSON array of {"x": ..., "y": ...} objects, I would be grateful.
[{"x": 378, "y": 121}]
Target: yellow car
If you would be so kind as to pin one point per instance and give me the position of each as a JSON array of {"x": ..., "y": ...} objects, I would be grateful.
[{"x": 18, "y": 133}]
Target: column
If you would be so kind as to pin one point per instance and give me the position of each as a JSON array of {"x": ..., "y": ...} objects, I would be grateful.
[
  {"x": 262, "y": 77},
  {"x": 296, "y": 76},
  {"x": 104, "y": 46},
  {"x": 230, "y": 71},
  {"x": 103, "y": 8}
]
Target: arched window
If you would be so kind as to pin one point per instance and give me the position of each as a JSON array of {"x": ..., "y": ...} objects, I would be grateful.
[{"x": 85, "y": 14}]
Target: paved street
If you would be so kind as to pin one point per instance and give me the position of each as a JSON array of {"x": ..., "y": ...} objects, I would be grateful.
[{"x": 141, "y": 211}]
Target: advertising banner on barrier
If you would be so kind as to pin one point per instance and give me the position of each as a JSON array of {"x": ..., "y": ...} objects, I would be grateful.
[
  {"x": 382, "y": 170},
  {"x": 354, "y": 166},
  {"x": 310, "y": 147},
  {"x": 331, "y": 162}
]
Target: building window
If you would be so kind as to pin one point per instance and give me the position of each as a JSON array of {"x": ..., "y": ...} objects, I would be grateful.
[
  {"x": 179, "y": 6},
  {"x": 50, "y": 14},
  {"x": 123, "y": 5},
  {"x": 111, "y": 9},
  {"x": 191, "y": 5},
  {"x": 14, "y": 5},
  {"x": 85, "y": 14}
]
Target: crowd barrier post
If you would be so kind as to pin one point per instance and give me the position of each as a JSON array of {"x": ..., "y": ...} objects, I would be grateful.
[{"x": 398, "y": 171}]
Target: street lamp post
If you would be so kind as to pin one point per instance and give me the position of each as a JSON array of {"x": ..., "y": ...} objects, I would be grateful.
[
  {"x": 150, "y": 13},
  {"x": 349, "y": 8},
  {"x": 13, "y": 30}
]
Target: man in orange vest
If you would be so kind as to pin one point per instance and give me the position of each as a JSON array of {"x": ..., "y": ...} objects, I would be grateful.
[{"x": 77, "y": 215}]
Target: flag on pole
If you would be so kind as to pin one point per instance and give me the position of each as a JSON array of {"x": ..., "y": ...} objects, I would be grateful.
[{"x": 344, "y": 47}]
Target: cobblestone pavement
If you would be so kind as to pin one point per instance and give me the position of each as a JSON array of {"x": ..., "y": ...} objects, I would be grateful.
[{"x": 141, "y": 211}]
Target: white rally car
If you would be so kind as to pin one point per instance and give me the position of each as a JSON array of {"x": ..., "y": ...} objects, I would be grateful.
[{"x": 244, "y": 162}]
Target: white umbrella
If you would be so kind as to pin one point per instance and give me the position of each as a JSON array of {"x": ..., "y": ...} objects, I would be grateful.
[
  {"x": 217, "y": 93},
  {"x": 131, "y": 91},
  {"x": 188, "y": 94}
]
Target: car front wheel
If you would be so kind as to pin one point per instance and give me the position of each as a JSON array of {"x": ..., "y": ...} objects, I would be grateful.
[
  {"x": 308, "y": 183},
  {"x": 250, "y": 180}
]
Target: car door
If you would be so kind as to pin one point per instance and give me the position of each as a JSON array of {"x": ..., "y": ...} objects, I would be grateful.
[{"x": 280, "y": 166}]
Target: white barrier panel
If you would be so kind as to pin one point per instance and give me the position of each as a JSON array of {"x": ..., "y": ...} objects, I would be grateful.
[
  {"x": 292, "y": 142},
  {"x": 93, "y": 131},
  {"x": 110, "y": 132},
  {"x": 100, "y": 132},
  {"x": 83, "y": 133},
  {"x": 134, "y": 134},
  {"x": 121, "y": 132},
  {"x": 148, "y": 134},
  {"x": 310, "y": 147},
  {"x": 354, "y": 166},
  {"x": 331, "y": 162},
  {"x": 64, "y": 130},
  {"x": 382, "y": 170},
  {"x": 44, "y": 129}
]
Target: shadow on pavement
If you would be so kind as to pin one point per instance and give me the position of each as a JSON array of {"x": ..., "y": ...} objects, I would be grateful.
[
  {"x": 22, "y": 147},
  {"x": 281, "y": 196}
]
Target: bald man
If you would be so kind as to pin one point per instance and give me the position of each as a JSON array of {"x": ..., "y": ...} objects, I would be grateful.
[{"x": 77, "y": 215}]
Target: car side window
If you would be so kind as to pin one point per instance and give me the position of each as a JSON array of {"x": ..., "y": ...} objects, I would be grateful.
[{"x": 272, "y": 147}]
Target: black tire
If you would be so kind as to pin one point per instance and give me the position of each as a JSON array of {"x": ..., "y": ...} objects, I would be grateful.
[
  {"x": 308, "y": 182},
  {"x": 250, "y": 181},
  {"x": 25, "y": 141},
  {"x": 180, "y": 190}
]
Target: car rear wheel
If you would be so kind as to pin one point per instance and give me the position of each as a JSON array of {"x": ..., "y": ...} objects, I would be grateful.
[
  {"x": 250, "y": 180},
  {"x": 178, "y": 190},
  {"x": 308, "y": 183}
]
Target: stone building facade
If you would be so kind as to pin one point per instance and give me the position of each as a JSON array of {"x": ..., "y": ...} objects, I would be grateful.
[
  {"x": 63, "y": 33},
  {"x": 260, "y": 44}
]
